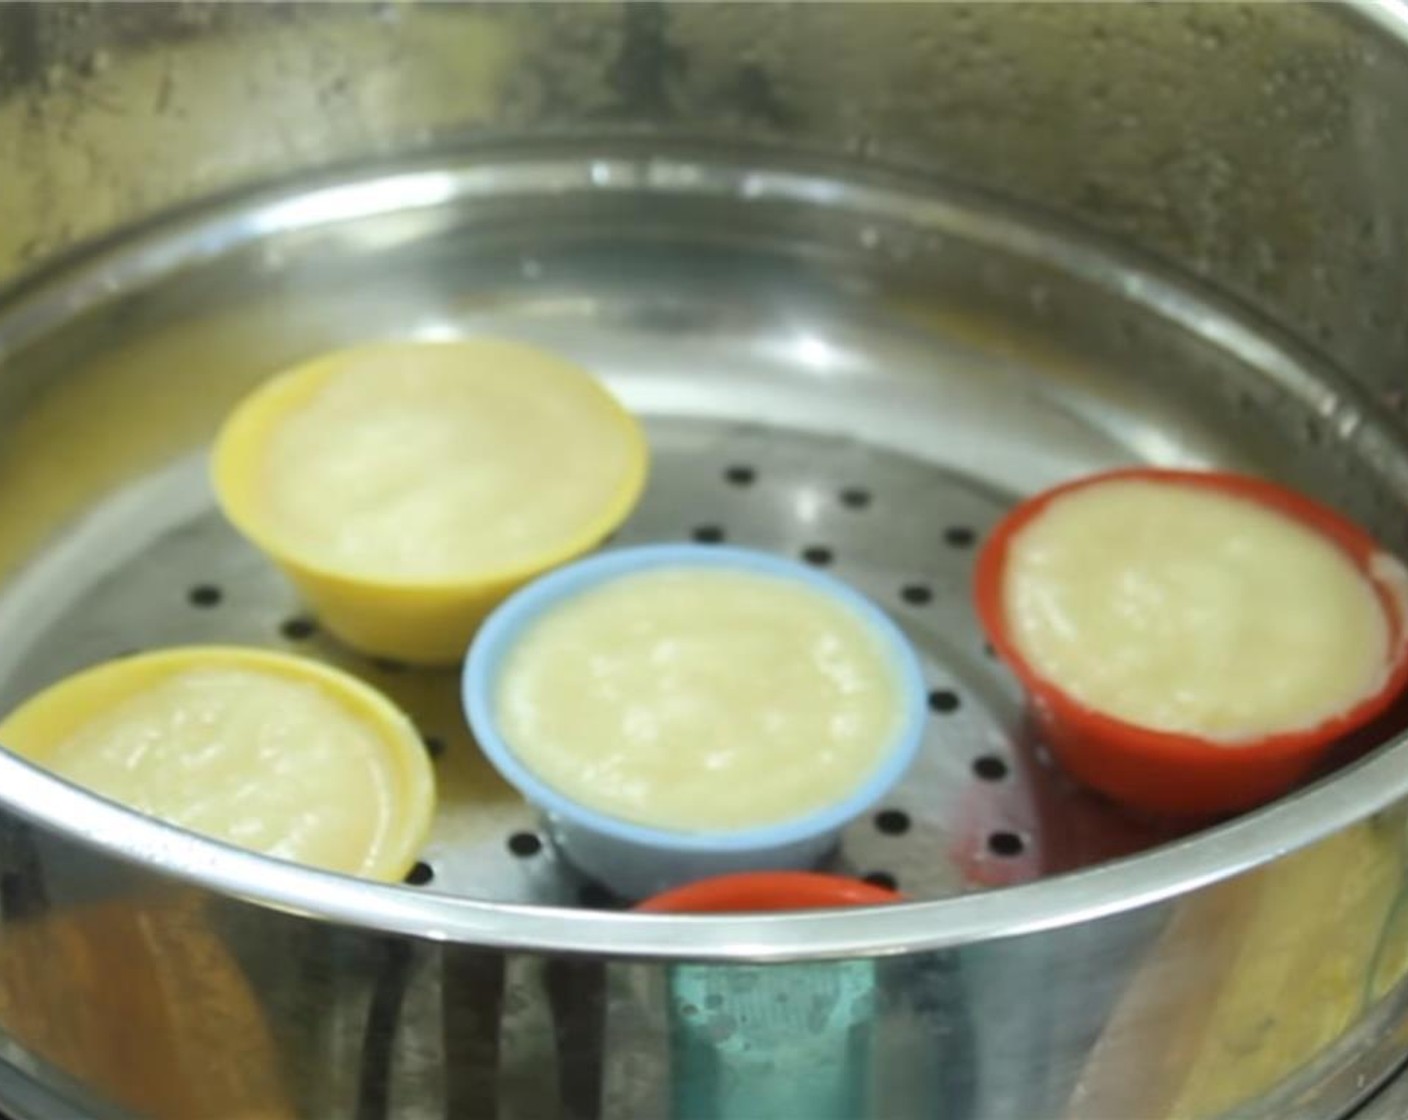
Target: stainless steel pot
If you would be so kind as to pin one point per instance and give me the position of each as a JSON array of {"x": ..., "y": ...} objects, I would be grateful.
[{"x": 870, "y": 271}]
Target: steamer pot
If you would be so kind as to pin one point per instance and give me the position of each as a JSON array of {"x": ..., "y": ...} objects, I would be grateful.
[{"x": 870, "y": 273}]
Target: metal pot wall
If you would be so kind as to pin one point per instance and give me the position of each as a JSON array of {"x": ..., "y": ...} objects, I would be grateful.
[{"x": 951, "y": 252}]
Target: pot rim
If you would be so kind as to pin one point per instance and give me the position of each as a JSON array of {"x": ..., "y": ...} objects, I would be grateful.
[{"x": 904, "y": 927}]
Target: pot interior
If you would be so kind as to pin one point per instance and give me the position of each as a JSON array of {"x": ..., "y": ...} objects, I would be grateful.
[{"x": 859, "y": 373}]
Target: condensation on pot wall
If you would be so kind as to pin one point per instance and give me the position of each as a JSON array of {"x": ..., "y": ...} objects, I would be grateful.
[{"x": 1229, "y": 138}]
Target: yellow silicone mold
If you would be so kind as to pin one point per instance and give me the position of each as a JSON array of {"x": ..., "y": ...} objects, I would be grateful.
[
  {"x": 420, "y": 619},
  {"x": 398, "y": 780}
]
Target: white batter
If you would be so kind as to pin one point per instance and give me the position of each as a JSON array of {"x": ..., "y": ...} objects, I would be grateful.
[
  {"x": 432, "y": 461},
  {"x": 1186, "y": 610},
  {"x": 243, "y": 756},
  {"x": 696, "y": 699}
]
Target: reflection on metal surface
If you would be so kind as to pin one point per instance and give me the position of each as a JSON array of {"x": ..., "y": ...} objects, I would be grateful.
[
  {"x": 792, "y": 1040},
  {"x": 1304, "y": 933},
  {"x": 165, "y": 1021}
]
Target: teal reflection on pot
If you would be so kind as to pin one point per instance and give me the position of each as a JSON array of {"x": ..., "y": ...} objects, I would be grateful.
[{"x": 771, "y": 1041}]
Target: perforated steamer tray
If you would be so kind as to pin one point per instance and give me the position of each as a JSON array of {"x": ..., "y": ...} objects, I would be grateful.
[
  {"x": 903, "y": 531},
  {"x": 800, "y": 397},
  {"x": 846, "y": 396}
]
